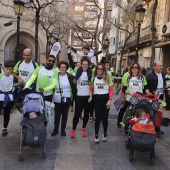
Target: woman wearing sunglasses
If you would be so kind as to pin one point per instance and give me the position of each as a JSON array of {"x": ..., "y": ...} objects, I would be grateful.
[
  {"x": 102, "y": 87},
  {"x": 135, "y": 82}
]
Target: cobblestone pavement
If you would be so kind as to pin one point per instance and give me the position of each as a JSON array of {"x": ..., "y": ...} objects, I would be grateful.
[{"x": 81, "y": 153}]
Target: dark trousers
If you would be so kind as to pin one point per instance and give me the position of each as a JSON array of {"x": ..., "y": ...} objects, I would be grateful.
[
  {"x": 72, "y": 102},
  {"x": 101, "y": 112},
  {"x": 121, "y": 112},
  {"x": 49, "y": 99},
  {"x": 92, "y": 107},
  {"x": 7, "y": 111},
  {"x": 81, "y": 103},
  {"x": 60, "y": 110}
]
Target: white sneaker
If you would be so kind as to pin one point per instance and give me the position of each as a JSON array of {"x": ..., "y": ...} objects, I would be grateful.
[
  {"x": 96, "y": 140},
  {"x": 104, "y": 138}
]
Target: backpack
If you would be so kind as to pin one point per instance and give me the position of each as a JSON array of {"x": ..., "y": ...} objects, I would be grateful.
[{"x": 33, "y": 62}]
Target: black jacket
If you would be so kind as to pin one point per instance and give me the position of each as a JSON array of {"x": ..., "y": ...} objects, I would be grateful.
[
  {"x": 143, "y": 71},
  {"x": 152, "y": 80}
]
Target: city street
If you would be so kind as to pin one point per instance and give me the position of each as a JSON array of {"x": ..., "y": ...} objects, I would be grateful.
[
  {"x": 49, "y": 46},
  {"x": 81, "y": 153}
]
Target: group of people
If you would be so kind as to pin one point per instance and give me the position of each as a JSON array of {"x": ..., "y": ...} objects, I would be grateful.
[{"x": 92, "y": 89}]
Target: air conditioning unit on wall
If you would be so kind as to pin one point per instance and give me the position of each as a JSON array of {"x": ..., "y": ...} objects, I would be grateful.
[{"x": 166, "y": 29}]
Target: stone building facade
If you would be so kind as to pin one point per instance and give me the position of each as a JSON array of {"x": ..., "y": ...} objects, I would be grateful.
[
  {"x": 8, "y": 35},
  {"x": 145, "y": 41}
]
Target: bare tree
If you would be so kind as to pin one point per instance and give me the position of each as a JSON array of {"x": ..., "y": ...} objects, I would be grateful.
[
  {"x": 93, "y": 28},
  {"x": 38, "y": 6},
  {"x": 55, "y": 23},
  {"x": 128, "y": 30}
]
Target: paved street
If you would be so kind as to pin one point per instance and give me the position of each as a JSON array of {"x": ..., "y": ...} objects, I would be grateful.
[{"x": 64, "y": 153}]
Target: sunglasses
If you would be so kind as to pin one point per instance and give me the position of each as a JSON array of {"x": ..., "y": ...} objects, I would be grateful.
[
  {"x": 51, "y": 61},
  {"x": 135, "y": 67},
  {"x": 99, "y": 68}
]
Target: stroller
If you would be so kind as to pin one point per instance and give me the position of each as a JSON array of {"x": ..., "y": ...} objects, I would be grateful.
[
  {"x": 33, "y": 131},
  {"x": 141, "y": 137}
]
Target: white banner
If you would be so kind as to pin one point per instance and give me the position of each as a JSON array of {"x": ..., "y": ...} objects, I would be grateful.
[{"x": 55, "y": 49}]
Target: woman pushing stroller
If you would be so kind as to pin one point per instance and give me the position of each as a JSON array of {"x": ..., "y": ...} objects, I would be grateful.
[{"x": 135, "y": 82}]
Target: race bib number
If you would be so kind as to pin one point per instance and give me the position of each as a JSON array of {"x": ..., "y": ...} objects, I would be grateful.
[
  {"x": 24, "y": 73},
  {"x": 136, "y": 84},
  {"x": 84, "y": 83},
  {"x": 159, "y": 91},
  {"x": 100, "y": 86}
]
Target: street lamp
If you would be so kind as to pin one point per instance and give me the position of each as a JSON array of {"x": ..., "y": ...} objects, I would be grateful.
[
  {"x": 140, "y": 12},
  {"x": 106, "y": 42},
  {"x": 49, "y": 42},
  {"x": 19, "y": 8}
]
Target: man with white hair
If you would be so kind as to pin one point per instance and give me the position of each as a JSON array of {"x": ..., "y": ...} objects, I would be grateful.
[{"x": 156, "y": 84}]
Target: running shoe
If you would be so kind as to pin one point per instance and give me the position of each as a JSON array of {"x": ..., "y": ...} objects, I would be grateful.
[
  {"x": 90, "y": 119},
  {"x": 96, "y": 140},
  {"x": 119, "y": 127},
  {"x": 83, "y": 132},
  {"x": 4, "y": 132},
  {"x": 104, "y": 137},
  {"x": 73, "y": 134}
]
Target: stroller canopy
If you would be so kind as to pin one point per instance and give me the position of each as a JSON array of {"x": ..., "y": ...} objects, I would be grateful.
[{"x": 33, "y": 102}]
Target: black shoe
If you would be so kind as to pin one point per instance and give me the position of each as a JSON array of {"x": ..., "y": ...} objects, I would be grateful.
[
  {"x": 159, "y": 133},
  {"x": 63, "y": 133},
  {"x": 4, "y": 132},
  {"x": 55, "y": 132}
]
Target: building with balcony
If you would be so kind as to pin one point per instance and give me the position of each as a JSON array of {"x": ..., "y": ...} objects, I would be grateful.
[
  {"x": 8, "y": 35},
  {"x": 118, "y": 36},
  {"x": 88, "y": 26}
]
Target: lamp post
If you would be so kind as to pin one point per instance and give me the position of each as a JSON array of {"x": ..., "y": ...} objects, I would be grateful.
[
  {"x": 106, "y": 43},
  {"x": 49, "y": 43},
  {"x": 140, "y": 12},
  {"x": 19, "y": 7}
]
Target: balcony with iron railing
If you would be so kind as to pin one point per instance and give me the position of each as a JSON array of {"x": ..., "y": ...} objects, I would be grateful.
[{"x": 145, "y": 36}]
